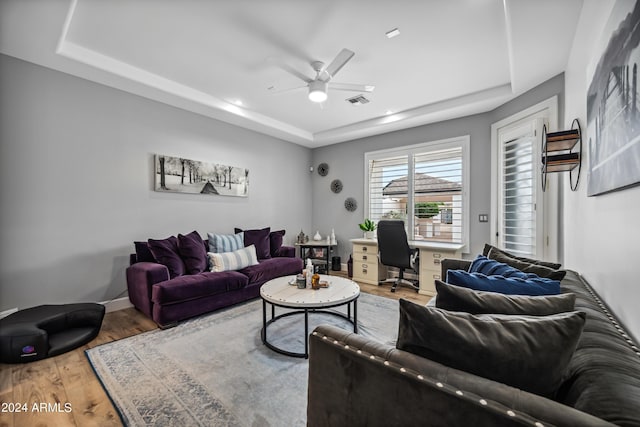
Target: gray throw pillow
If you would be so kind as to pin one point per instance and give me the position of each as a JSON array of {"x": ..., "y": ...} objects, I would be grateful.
[
  {"x": 527, "y": 267},
  {"x": 489, "y": 248},
  {"x": 527, "y": 352},
  {"x": 458, "y": 298}
]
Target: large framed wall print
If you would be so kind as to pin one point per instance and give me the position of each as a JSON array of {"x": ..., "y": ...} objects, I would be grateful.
[
  {"x": 180, "y": 175},
  {"x": 613, "y": 105}
]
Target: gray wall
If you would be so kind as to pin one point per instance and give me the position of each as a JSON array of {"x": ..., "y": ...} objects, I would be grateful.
[
  {"x": 76, "y": 180},
  {"x": 346, "y": 162},
  {"x": 601, "y": 232}
]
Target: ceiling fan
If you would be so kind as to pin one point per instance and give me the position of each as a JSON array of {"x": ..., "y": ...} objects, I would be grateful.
[{"x": 323, "y": 80}]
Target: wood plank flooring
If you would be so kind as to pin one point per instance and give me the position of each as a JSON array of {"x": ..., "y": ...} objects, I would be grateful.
[{"x": 65, "y": 390}]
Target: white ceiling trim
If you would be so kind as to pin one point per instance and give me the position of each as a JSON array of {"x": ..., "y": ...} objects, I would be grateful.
[
  {"x": 218, "y": 109},
  {"x": 509, "y": 37},
  {"x": 473, "y": 103}
]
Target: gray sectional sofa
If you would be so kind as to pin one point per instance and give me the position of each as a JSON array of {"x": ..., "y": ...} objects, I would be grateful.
[{"x": 357, "y": 381}]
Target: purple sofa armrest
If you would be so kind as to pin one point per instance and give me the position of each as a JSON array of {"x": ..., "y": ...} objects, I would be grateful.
[
  {"x": 141, "y": 277},
  {"x": 286, "y": 251}
]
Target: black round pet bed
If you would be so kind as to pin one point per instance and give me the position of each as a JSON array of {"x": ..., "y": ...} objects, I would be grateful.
[{"x": 48, "y": 330}]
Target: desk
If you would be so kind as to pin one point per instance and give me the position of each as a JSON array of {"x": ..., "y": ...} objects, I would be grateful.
[
  {"x": 431, "y": 255},
  {"x": 318, "y": 251},
  {"x": 366, "y": 263},
  {"x": 369, "y": 269}
]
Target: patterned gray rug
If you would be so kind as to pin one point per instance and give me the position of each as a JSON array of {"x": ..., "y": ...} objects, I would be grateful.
[{"x": 215, "y": 371}]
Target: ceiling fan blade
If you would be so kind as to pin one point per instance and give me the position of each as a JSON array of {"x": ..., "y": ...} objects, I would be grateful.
[
  {"x": 338, "y": 62},
  {"x": 351, "y": 87},
  {"x": 289, "y": 69},
  {"x": 290, "y": 89}
]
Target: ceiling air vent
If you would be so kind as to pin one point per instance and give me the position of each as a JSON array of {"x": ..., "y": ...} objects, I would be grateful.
[{"x": 358, "y": 100}]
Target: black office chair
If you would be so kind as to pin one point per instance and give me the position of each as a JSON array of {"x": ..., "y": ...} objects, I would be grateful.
[{"x": 394, "y": 251}]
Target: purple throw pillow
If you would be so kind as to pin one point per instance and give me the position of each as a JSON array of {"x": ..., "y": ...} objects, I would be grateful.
[
  {"x": 166, "y": 253},
  {"x": 275, "y": 241},
  {"x": 192, "y": 252},
  {"x": 143, "y": 254},
  {"x": 259, "y": 238}
]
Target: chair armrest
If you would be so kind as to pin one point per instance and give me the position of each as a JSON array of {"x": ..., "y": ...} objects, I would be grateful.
[
  {"x": 141, "y": 277},
  {"x": 285, "y": 251},
  {"x": 453, "y": 264}
]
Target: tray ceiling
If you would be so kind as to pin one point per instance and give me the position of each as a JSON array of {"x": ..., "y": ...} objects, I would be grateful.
[{"x": 229, "y": 59}]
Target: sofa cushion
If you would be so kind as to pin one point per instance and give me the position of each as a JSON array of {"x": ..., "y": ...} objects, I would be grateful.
[
  {"x": 192, "y": 251},
  {"x": 196, "y": 286},
  {"x": 275, "y": 241},
  {"x": 527, "y": 352},
  {"x": 490, "y": 267},
  {"x": 488, "y": 249},
  {"x": 271, "y": 268},
  {"x": 165, "y": 251},
  {"x": 219, "y": 243},
  {"x": 259, "y": 238},
  {"x": 457, "y": 298},
  {"x": 143, "y": 254},
  {"x": 235, "y": 260},
  {"x": 504, "y": 285}
]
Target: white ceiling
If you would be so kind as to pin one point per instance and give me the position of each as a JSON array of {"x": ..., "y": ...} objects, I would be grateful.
[{"x": 452, "y": 58}]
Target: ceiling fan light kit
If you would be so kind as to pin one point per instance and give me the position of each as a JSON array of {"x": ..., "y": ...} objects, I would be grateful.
[{"x": 318, "y": 91}]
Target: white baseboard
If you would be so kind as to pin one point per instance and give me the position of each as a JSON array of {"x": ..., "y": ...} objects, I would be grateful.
[
  {"x": 5, "y": 313},
  {"x": 117, "y": 304},
  {"x": 114, "y": 305}
]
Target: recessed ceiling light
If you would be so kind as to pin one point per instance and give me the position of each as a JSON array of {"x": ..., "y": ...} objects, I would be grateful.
[
  {"x": 388, "y": 112},
  {"x": 392, "y": 33},
  {"x": 238, "y": 102}
]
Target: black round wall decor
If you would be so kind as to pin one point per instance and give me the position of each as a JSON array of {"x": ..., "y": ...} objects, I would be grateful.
[
  {"x": 323, "y": 169},
  {"x": 350, "y": 204},
  {"x": 336, "y": 186}
]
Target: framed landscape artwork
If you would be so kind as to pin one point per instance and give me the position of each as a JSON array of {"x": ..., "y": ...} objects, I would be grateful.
[
  {"x": 180, "y": 175},
  {"x": 613, "y": 106}
]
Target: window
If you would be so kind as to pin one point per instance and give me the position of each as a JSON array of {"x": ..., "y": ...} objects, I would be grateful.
[{"x": 430, "y": 180}]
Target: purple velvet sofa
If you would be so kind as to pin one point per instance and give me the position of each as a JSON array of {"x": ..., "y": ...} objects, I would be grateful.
[{"x": 169, "y": 280}]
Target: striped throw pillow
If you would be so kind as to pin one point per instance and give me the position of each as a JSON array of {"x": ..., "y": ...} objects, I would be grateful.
[
  {"x": 235, "y": 260},
  {"x": 219, "y": 243}
]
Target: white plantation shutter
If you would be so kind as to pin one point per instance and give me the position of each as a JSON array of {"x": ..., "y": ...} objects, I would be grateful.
[
  {"x": 381, "y": 173},
  {"x": 426, "y": 179},
  {"x": 438, "y": 182},
  {"x": 518, "y": 216}
]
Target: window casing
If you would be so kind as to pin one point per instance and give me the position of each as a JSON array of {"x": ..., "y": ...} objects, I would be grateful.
[{"x": 429, "y": 179}]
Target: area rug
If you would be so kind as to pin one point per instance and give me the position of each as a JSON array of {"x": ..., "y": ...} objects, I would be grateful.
[{"x": 215, "y": 371}]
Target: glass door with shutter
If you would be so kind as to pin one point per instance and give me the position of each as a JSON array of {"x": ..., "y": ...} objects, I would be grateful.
[{"x": 520, "y": 218}]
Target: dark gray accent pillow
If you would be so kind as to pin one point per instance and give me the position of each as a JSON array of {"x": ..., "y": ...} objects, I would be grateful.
[
  {"x": 527, "y": 267},
  {"x": 527, "y": 352},
  {"x": 488, "y": 248},
  {"x": 457, "y": 298}
]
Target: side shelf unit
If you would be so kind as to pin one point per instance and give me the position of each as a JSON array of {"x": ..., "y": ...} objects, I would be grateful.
[{"x": 562, "y": 152}]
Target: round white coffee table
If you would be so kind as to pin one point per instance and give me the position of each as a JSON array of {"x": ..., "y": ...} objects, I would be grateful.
[{"x": 280, "y": 293}]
